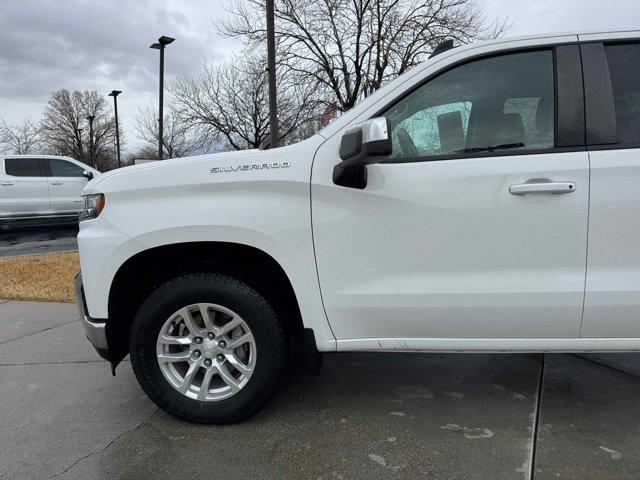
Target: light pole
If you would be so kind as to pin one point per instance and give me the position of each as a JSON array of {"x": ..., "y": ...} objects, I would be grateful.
[
  {"x": 91, "y": 160},
  {"x": 79, "y": 132},
  {"x": 271, "y": 67},
  {"x": 162, "y": 42},
  {"x": 114, "y": 94}
]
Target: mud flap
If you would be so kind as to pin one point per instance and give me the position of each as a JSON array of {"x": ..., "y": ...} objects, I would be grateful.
[{"x": 313, "y": 357}]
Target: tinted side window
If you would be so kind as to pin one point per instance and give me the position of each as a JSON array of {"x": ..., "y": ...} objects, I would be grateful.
[
  {"x": 24, "y": 167},
  {"x": 624, "y": 67},
  {"x": 500, "y": 103},
  {"x": 63, "y": 168}
]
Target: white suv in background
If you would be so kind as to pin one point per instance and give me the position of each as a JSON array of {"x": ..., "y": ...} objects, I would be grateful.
[{"x": 41, "y": 186}]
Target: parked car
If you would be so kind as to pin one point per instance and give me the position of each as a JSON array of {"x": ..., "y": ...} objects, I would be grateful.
[
  {"x": 449, "y": 211},
  {"x": 41, "y": 187}
]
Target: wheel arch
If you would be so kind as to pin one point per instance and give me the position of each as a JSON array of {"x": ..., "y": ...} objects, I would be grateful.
[{"x": 141, "y": 273}]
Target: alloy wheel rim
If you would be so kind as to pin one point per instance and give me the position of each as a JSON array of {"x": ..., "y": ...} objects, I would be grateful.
[{"x": 206, "y": 351}]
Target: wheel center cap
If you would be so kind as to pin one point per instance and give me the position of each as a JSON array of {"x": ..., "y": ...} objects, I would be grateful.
[{"x": 210, "y": 348}]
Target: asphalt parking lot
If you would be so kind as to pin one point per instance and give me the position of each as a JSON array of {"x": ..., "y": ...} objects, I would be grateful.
[
  {"x": 27, "y": 239},
  {"x": 373, "y": 416}
]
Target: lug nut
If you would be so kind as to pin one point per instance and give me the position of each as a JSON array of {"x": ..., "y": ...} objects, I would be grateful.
[
  {"x": 196, "y": 353},
  {"x": 198, "y": 340},
  {"x": 220, "y": 357},
  {"x": 207, "y": 363},
  {"x": 211, "y": 336},
  {"x": 222, "y": 344}
]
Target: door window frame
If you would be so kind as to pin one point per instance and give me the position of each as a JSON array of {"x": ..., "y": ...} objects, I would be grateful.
[{"x": 569, "y": 117}]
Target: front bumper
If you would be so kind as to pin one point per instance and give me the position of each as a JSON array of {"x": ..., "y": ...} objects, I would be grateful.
[{"x": 95, "y": 329}]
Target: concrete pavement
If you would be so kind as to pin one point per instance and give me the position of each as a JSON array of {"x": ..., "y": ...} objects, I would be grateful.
[
  {"x": 21, "y": 319},
  {"x": 589, "y": 425},
  {"x": 377, "y": 416}
]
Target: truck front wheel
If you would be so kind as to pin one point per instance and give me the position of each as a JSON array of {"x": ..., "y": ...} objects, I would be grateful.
[{"x": 207, "y": 348}]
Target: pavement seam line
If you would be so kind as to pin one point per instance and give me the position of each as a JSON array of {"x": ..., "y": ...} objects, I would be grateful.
[
  {"x": 49, "y": 363},
  {"x": 55, "y": 363},
  {"x": 534, "y": 445},
  {"x": 36, "y": 333},
  {"x": 118, "y": 437}
]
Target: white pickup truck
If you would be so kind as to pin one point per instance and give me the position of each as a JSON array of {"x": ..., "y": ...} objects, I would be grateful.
[
  {"x": 41, "y": 187},
  {"x": 487, "y": 200}
]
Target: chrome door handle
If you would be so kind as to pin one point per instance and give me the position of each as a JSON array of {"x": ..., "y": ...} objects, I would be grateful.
[
  {"x": 6, "y": 184},
  {"x": 56, "y": 183},
  {"x": 542, "y": 187}
]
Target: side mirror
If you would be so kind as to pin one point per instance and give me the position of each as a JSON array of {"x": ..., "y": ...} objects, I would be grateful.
[
  {"x": 87, "y": 174},
  {"x": 362, "y": 145}
]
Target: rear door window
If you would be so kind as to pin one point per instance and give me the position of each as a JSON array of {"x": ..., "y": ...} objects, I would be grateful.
[
  {"x": 24, "y": 167},
  {"x": 624, "y": 67}
]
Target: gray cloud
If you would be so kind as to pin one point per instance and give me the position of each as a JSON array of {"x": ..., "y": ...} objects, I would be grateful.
[
  {"x": 543, "y": 16},
  {"x": 98, "y": 45},
  {"x": 49, "y": 45}
]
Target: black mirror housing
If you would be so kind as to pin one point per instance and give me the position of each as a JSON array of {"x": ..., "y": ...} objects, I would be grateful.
[
  {"x": 365, "y": 144},
  {"x": 87, "y": 174},
  {"x": 351, "y": 144}
]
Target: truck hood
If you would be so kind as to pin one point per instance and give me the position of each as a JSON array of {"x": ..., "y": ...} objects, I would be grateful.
[{"x": 210, "y": 168}]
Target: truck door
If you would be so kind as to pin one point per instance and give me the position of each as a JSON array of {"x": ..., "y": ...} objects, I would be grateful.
[
  {"x": 24, "y": 191},
  {"x": 476, "y": 226}
]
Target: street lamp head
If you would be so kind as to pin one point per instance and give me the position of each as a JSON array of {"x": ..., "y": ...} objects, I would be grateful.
[
  {"x": 165, "y": 40},
  {"x": 115, "y": 93},
  {"x": 162, "y": 42},
  {"x": 91, "y": 117},
  {"x": 79, "y": 130}
]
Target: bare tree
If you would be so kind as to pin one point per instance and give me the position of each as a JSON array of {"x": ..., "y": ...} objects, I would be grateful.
[
  {"x": 65, "y": 113},
  {"x": 179, "y": 138},
  {"x": 20, "y": 139},
  {"x": 230, "y": 101},
  {"x": 352, "y": 47}
]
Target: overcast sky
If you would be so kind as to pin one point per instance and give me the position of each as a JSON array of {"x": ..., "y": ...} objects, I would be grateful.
[{"x": 104, "y": 44}]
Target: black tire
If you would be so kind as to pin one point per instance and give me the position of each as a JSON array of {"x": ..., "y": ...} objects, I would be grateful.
[{"x": 235, "y": 295}]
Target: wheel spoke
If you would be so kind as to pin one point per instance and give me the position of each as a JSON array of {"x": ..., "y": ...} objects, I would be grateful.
[
  {"x": 171, "y": 340},
  {"x": 208, "y": 317},
  {"x": 227, "y": 327},
  {"x": 241, "y": 340},
  {"x": 235, "y": 361},
  {"x": 174, "y": 357},
  {"x": 188, "y": 377},
  {"x": 189, "y": 322},
  {"x": 206, "y": 382},
  {"x": 226, "y": 377}
]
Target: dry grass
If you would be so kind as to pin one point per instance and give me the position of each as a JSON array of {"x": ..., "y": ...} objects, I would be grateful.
[{"x": 45, "y": 278}]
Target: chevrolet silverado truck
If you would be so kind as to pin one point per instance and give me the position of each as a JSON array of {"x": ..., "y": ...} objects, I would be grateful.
[{"x": 488, "y": 200}]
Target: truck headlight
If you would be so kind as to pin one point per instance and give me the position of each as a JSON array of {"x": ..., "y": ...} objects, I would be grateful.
[{"x": 93, "y": 205}]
